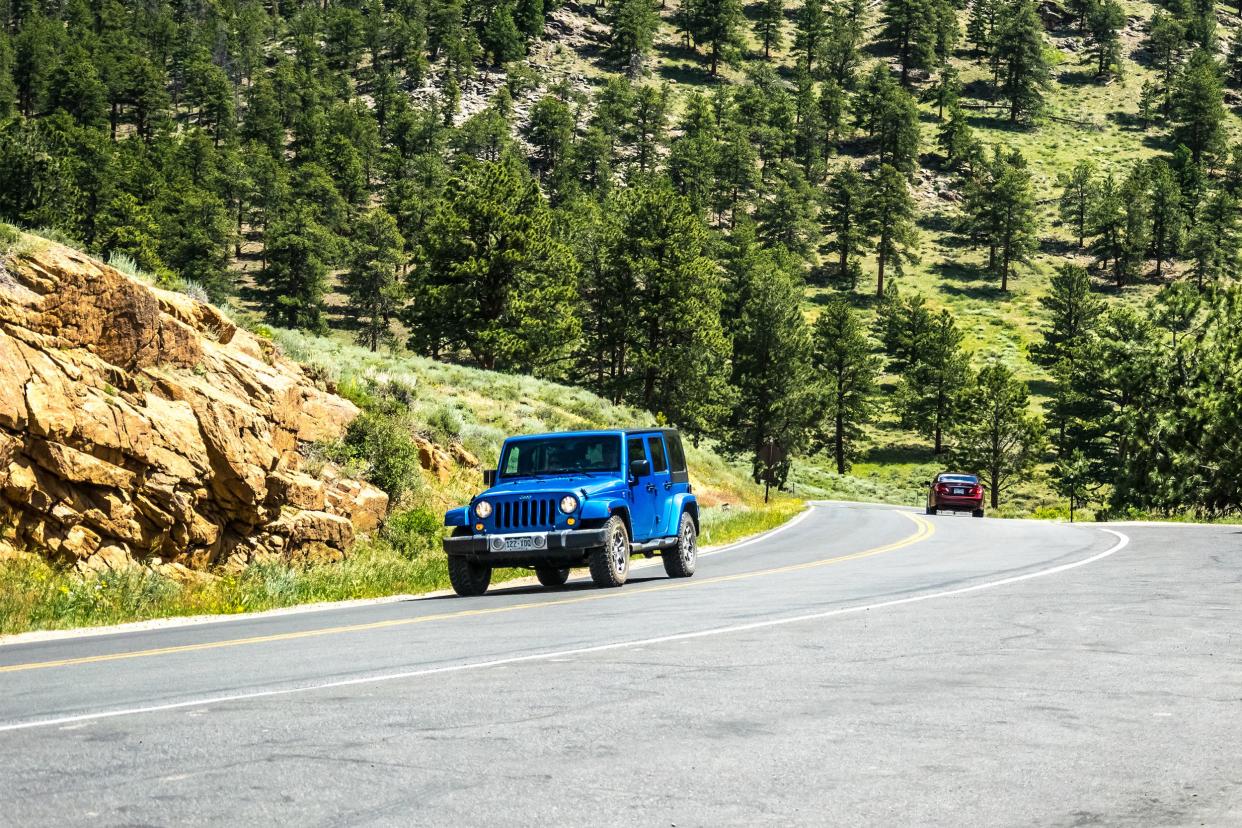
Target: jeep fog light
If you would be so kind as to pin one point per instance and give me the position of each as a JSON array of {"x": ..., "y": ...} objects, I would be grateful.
[
  {"x": 483, "y": 509},
  {"x": 568, "y": 504}
]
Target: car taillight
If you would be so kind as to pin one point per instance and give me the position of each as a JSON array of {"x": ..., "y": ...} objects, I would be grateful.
[
  {"x": 976, "y": 491},
  {"x": 943, "y": 489}
]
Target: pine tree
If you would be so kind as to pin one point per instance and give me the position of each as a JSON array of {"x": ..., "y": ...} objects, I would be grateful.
[
  {"x": 945, "y": 92},
  {"x": 845, "y": 220},
  {"x": 982, "y": 21},
  {"x": 843, "y": 39},
  {"x": 528, "y": 15},
  {"x": 490, "y": 276},
  {"x": 716, "y": 24},
  {"x": 848, "y": 372},
  {"x": 1107, "y": 224},
  {"x": 501, "y": 39},
  {"x": 932, "y": 384},
  {"x": 996, "y": 437},
  {"x": 891, "y": 118},
  {"x": 633, "y": 24},
  {"x": 957, "y": 140},
  {"x": 550, "y": 131},
  {"x": 1078, "y": 188},
  {"x": 1166, "y": 41},
  {"x": 1074, "y": 314},
  {"x": 902, "y": 325},
  {"x": 787, "y": 218},
  {"x": 1072, "y": 479},
  {"x": 670, "y": 355},
  {"x": 768, "y": 26},
  {"x": 1000, "y": 203},
  {"x": 918, "y": 32},
  {"x": 776, "y": 403},
  {"x": 1197, "y": 107},
  {"x": 812, "y": 27},
  {"x": 892, "y": 222},
  {"x": 297, "y": 249},
  {"x": 1019, "y": 51},
  {"x": 372, "y": 283},
  {"x": 1105, "y": 19},
  {"x": 1215, "y": 241},
  {"x": 650, "y": 122},
  {"x": 1168, "y": 219}
]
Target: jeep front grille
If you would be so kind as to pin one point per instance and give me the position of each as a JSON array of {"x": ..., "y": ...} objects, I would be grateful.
[{"x": 538, "y": 513}]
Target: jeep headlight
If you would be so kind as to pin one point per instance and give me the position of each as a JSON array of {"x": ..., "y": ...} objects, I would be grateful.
[
  {"x": 569, "y": 504},
  {"x": 483, "y": 509}
]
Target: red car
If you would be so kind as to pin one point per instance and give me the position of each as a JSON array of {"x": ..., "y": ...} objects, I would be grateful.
[{"x": 955, "y": 493}]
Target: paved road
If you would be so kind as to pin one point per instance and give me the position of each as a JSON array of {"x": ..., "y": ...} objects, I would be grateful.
[{"x": 867, "y": 665}]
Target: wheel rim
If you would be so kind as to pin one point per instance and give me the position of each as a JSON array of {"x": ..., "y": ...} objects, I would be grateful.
[
  {"x": 689, "y": 547},
  {"x": 620, "y": 552}
]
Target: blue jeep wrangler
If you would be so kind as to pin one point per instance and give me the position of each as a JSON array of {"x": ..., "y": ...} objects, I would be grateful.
[{"x": 578, "y": 498}]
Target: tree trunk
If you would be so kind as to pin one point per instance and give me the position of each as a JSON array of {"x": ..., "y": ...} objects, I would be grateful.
[
  {"x": 995, "y": 493},
  {"x": 879, "y": 284},
  {"x": 840, "y": 440}
]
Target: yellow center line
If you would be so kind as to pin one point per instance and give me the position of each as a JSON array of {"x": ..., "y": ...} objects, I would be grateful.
[{"x": 924, "y": 531}]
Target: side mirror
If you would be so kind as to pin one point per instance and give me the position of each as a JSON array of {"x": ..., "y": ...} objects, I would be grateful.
[
  {"x": 639, "y": 468},
  {"x": 489, "y": 478}
]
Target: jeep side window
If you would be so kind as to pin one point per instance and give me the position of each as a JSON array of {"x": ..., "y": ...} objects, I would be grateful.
[
  {"x": 634, "y": 449},
  {"x": 675, "y": 454},
  {"x": 658, "y": 461}
]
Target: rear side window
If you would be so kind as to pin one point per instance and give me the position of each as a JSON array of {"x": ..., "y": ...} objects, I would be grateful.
[
  {"x": 675, "y": 454},
  {"x": 658, "y": 461}
]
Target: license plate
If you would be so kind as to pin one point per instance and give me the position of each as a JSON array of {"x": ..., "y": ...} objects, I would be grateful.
[
  {"x": 959, "y": 491},
  {"x": 518, "y": 543}
]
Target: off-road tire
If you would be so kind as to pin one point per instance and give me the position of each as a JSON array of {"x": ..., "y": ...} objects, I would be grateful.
[
  {"x": 610, "y": 563},
  {"x": 550, "y": 576},
  {"x": 681, "y": 558},
  {"x": 467, "y": 577},
  {"x": 977, "y": 513}
]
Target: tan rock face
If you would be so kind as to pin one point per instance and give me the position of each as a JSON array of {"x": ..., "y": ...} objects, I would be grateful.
[{"x": 138, "y": 425}]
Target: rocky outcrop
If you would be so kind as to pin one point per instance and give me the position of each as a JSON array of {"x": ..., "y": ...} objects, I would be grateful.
[{"x": 140, "y": 424}]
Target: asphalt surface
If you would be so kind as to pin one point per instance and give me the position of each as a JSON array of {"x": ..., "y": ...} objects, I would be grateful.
[{"x": 865, "y": 666}]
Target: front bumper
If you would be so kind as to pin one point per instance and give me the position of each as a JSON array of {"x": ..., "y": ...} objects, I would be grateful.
[{"x": 563, "y": 546}]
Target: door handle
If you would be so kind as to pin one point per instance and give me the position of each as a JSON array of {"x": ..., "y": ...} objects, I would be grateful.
[
  {"x": 651, "y": 488},
  {"x": 668, "y": 484}
]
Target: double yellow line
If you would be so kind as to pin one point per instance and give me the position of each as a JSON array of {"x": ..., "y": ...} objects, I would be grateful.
[{"x": 924, "y": 530}]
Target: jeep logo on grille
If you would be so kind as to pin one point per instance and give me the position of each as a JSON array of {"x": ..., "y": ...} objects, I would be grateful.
[{"x": 524, "y": 497}]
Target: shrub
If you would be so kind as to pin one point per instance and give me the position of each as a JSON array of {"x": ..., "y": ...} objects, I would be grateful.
[
  {"x": 10, "y": 237},
  {"x": 413, "y": 532},
  {"x": 445, "y": 423},
  {"x": 382, "y": 439}
]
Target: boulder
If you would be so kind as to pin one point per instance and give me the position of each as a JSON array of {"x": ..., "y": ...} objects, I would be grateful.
[{"x": 140, "y": 425}]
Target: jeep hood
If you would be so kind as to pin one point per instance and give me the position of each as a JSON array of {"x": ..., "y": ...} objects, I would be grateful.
[{"x": 592, "y": 484}]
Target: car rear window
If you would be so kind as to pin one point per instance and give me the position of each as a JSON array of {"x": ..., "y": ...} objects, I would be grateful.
[{"x": 958, "y": 478}]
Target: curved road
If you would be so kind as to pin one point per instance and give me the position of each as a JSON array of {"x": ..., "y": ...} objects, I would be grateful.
[{"x": 862, "y": 665}]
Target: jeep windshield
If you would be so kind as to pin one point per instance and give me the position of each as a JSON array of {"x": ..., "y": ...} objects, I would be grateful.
[{"x": 570, "y": 454}]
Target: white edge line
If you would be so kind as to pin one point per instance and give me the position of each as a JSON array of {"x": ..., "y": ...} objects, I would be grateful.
[
  {"x": 176, "y": 622},
  {"x": 1122, "y": 541}
]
